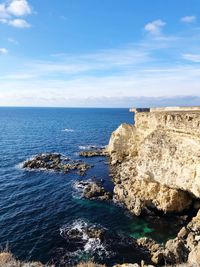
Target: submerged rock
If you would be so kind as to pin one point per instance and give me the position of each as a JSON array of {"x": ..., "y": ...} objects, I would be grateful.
[{"x": 56, "y": 162}]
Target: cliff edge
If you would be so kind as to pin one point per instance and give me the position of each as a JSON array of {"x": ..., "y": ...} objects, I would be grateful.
[
  {"x": 156, "y": 161},
  {"x": 155, "y": 165}
]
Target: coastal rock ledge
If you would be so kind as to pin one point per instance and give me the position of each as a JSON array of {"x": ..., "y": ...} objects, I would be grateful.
[{"x": 156, "y": 161}]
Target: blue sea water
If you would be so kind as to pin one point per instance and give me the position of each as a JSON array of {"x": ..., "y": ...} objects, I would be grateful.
[{"x": 34, "y": 205}]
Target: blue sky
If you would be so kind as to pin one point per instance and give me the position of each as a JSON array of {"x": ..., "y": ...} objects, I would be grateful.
[{"x": 99, "y": 52}]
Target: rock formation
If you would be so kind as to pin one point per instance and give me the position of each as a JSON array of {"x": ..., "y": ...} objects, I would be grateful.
[
  {"x": 185, "y": 248},
  {"x": 157, "y": 161},
  {"x": 92, "y": 190},
  {"x": 55, "y": 162},
  {"x": 156, "y": 166},
  {"x": 93, "y": 153}
]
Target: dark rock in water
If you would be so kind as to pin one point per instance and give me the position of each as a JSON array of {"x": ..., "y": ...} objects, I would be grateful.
[
  {"x": 93, "y": 153},
  {"x": 93, "y": 190},
  {"x": 56, "y": 162},
  {"x": 97, "y": 243},
  {"x": 81, "y": 231}
]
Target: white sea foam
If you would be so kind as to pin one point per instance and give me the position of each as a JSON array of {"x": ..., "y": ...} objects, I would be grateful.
[
  {"x": 79, "y": 187},
  {"x": 78, "y": 225},
  {"x": 94, "y": 245},
  {"x": 21, "y": 164},
  {"x": 91, "y": 245},
  {"x": 68, "y": 130}
]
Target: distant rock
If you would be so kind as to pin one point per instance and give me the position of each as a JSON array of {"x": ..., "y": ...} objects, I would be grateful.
[
  {"x": 55, "y": 162},
  {"x": 93, "y": 153}
]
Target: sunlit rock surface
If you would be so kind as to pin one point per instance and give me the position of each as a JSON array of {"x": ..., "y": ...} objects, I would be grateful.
[{"x": 157, "y": 160}]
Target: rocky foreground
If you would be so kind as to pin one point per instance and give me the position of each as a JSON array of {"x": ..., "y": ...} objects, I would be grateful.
[{"x": 155, "y": 165}]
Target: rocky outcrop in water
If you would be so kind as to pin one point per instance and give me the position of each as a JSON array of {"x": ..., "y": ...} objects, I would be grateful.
[
  {"x": 92, "y": 190},
  {"x": 93, "y": 153},
  {"x": 55, "y": 162},
  {"x": 99, "y": 243}
]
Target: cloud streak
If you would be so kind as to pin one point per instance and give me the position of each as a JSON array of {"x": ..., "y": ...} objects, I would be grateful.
[
  {"x": 192, "y": 57},
  {"x": 188, "y": 19}
]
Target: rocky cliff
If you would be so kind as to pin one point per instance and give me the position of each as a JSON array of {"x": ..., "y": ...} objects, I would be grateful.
[
  {"x": 156, "y": 166},
  {"x": 156, "y": 161}
]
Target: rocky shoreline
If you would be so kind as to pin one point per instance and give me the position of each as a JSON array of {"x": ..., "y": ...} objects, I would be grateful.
[{"x": 155, "y": 168}]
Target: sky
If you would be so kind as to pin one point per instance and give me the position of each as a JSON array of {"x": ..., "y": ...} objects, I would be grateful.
[{"x": 101, "y": 53}]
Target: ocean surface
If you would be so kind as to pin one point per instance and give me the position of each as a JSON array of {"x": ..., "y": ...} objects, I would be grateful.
[{"x": 36, "y": 205}]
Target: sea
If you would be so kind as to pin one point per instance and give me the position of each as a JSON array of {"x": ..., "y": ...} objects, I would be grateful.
[{"x": 37, "y": 206}]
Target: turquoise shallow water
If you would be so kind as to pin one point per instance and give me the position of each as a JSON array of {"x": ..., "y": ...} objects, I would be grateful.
[{"x": 35, "y": 205}]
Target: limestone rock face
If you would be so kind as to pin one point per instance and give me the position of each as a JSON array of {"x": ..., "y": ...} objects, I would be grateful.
[
  {"x": 139, "y": 194},
  {"x": 157, "y": 160},
  {"x": 121, "y": 142}
]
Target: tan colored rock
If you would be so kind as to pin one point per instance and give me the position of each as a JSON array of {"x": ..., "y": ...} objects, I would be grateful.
[
  {"x": 127, "y": 265},
  {"x": 139, "y": 194},
  {"x": 120, "y": 142},
  {"x": 194, "y": 256},
  {"x": 164, "y": 147},
  {"x": 161, "y": 150}
]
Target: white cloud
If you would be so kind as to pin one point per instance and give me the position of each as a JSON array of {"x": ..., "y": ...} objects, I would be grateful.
[
  {"x": 19, "y": 8},
  {"x": 155, "y": 27},
  {"x": 12, "y": 11},
  {"x": 3, "y": 51},
  {"x": 19, "y": 23},
  {"x": 3, "y": 11},
  {"x": 192, "y": 57},
  {"x": 188, "y": 19}
]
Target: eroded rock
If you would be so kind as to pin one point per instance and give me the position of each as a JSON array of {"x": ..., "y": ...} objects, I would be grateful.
[
  {"x": 55, "y": 162},
  {"x": 141, "y": 196},
  {"x": 92, "y": 190},
  {"x": 155, "y": 163}
]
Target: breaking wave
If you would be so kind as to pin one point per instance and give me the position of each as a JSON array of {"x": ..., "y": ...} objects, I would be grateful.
[{"x": 86, "y": 237}]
